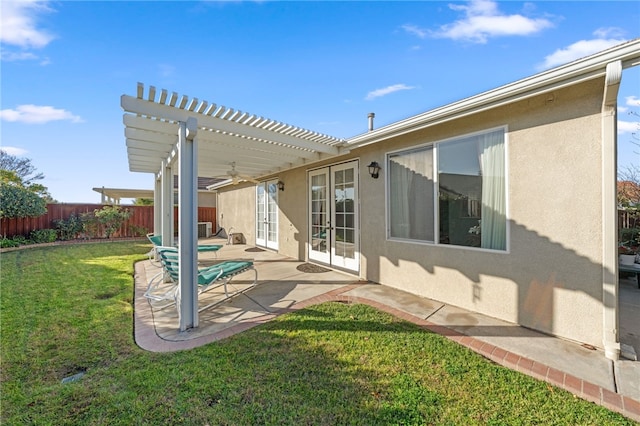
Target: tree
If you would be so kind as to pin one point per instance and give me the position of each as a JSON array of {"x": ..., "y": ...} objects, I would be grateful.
[
  {"x": 19, "y": 171},
  {"x": 143, "y": 202},
  {"x": 21, "y": 166},
  {"x": 18, "y": 202}
]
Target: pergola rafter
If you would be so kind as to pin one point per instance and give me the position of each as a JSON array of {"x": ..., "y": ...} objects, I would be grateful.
[{"x": 151, "y": 126}]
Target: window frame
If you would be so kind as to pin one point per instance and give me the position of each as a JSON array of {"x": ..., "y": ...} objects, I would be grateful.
[{"x": 436, "y": 191}]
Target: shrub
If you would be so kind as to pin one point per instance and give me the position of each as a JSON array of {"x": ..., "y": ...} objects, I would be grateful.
[
  {"x": 137, "y": 231},
  {"x": 39, "y": 236},
  {"x": 15, "y": 241},
  {"x": 90, "y": 225},
  {"x": 112, "y": 218},
  {"x": 69, "y": 228},
  {"x": 16, "y": 201},
  {"x": 8, "y": 242}
]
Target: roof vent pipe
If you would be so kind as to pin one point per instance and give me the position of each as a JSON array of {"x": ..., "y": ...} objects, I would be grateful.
[{"x": 370, "y": 116}]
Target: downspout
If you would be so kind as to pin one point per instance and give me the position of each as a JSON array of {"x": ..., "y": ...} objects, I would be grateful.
[{"x": 610, "y": 296}]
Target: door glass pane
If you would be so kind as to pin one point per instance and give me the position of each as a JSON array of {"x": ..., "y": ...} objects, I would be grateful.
[
  {"x": 319, "y": 218},
  {"x": 348, "y": 175},
  {"x": 272, "y": 212},
  {"x": 344, "y": 193},
  {"x": 260, "y": 212}
]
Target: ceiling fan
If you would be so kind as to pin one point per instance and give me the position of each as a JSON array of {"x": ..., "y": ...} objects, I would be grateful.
[{"x": 236, "y": 177}]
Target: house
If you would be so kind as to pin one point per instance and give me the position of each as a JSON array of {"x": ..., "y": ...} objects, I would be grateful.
[{"x": 503, "y": 203}]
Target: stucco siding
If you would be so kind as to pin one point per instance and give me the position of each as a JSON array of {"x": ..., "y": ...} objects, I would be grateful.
[
  {"x": 549, "y": 279},
  {"x": 236, "y": 211},
  {"x": 206, "y": 199}
]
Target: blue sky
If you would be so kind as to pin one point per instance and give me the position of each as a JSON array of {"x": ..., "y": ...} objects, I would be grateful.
[{"x": 318, "y": 65}]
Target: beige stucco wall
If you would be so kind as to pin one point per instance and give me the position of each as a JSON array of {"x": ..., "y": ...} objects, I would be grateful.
[
  {"x": 206, "y": 199},
  {"x": 236, "y": 209},
  {"x": 549, "y": 280}
]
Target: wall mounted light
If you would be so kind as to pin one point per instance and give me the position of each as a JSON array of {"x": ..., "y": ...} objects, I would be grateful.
[
  {"x": 281, "y": 185},
  {"x": 374, "y": 168}
]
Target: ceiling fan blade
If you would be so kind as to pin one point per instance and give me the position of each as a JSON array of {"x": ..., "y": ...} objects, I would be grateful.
[{"x": 248, "y": 178}]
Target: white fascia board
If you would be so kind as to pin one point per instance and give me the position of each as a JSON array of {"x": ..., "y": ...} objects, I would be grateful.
[
  {"x": 575, "y": 72},
  {"x": 219, "y": 185}
]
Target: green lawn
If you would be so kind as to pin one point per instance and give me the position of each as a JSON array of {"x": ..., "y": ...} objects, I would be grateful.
[{"x": 68, "y": 310}]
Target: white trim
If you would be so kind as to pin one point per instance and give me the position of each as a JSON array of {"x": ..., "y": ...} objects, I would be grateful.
[{"x": 353, "y": 266}]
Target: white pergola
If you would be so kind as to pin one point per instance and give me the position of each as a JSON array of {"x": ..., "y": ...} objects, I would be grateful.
[
  {"x": 168, "y": 134},
  {"x": 114, "y": 195}
]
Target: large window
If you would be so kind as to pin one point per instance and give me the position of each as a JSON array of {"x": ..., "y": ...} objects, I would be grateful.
[{"x": 464, "y": 205}]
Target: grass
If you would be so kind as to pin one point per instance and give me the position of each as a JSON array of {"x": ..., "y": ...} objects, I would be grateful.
[{"x": 68, "y": 310}]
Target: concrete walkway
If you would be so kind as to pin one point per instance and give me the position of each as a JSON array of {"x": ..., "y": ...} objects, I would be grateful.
[{"x": 283, "y": 287}]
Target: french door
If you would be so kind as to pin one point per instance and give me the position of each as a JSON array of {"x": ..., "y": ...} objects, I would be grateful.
[
  {"x": 267, "y": 214},
  {"x": 333, "y": 216}
]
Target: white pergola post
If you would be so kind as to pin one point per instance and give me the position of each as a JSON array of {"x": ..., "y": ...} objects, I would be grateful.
[
  {"x": 187, "y": 223},
  {"x": 157, "y": 205},
  {"x": 166, "y": 178},
  {"x": 610, "y": 291}
]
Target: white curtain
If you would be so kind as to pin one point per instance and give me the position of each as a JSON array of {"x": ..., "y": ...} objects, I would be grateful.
[{"x": 493, "y": 226}]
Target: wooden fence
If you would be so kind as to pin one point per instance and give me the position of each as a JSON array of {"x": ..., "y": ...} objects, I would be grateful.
[{"x": 140, "y": 222}]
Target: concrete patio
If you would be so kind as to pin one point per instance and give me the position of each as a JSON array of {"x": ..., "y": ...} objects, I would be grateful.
[{"x": 283, "y": 287}]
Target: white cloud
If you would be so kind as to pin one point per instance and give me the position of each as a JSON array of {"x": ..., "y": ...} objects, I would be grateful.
[
  {"x": 483, "y": 20},
  {"x": 12, "y": 150},
  {"x": 18, "y": 21},
  {"x": 628, "y": 127},
  {"x": 632, "y": 101},
  {"x": 387, "y": 90},
  {"x": 604, "y": 39},
  {"x": 36, "y": 114},
  {"x": 414, "y": 30},
  {"x": 17, "y": 56}
]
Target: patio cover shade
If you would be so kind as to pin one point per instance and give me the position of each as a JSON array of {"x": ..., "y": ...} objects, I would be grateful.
[
  {"x": 166, "y": 134},
  {"x": 258, "y": 146}
]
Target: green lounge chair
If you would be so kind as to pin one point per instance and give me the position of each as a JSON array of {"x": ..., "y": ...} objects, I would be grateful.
[
  {"x": 156, "y": 240},
  {"x": 161, "y": 294}
]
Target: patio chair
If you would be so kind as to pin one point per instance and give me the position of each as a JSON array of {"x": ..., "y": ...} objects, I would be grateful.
[
  {"x": 156, "y": 240},
  {"x": 209, "y": 278}
]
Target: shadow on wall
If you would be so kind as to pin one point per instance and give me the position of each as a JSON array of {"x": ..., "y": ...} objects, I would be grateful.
[{"x": 538, "y": 266}]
